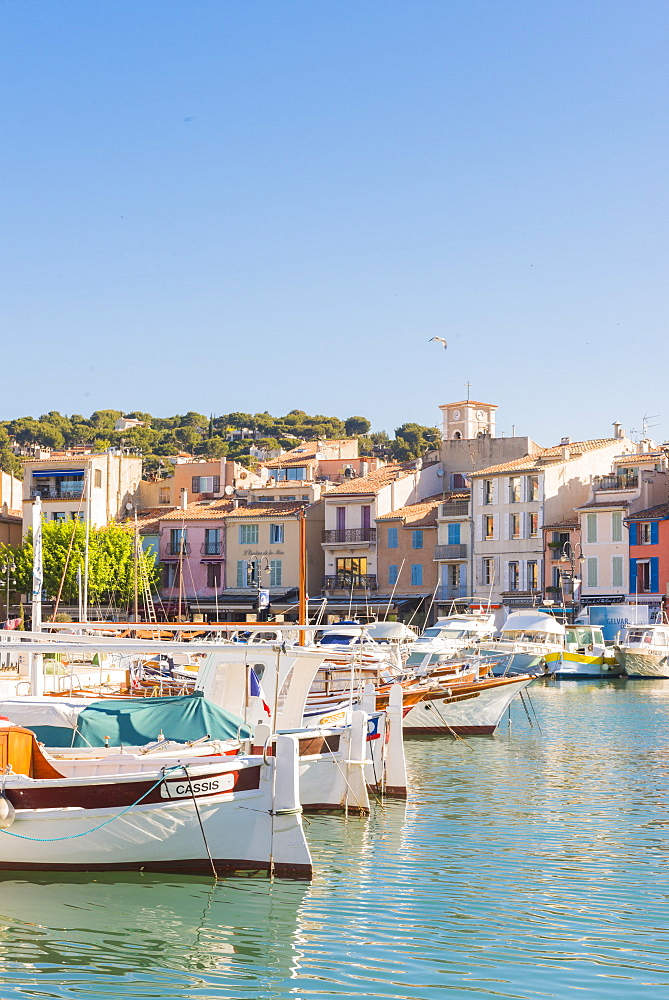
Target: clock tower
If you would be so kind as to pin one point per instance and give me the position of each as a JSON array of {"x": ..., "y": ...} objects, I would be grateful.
[{"x": 467, "y": 420}]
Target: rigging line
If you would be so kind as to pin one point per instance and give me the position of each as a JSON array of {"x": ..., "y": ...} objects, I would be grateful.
[
  {"x": 199, "y": 819},
  {"x": 449, "y": 728},
  {"x": 525, "y": 707},
  {"x": 392, "y": 594},
  {"x": 534, "y": 711}
]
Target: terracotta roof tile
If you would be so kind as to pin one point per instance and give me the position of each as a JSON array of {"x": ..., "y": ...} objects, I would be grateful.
[
  {"x": 305, "y": 452},
  {"x": 570, "y": 522},
  {"x": 656, "y": 513},
  {"x": 529, "y": 463},
  {"x": 604, "y": 504},
  {"x": 414, "y": 514},
  {"x": 374, "y": 482},
  {"x": 208, "y": 510},
  {"x": 654, "y": 456}
]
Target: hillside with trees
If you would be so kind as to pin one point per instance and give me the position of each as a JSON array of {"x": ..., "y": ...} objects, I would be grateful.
[{"x": 230, "y": 435}]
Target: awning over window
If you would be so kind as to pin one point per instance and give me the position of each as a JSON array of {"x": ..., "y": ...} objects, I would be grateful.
[{"x": 58, "y": 472}]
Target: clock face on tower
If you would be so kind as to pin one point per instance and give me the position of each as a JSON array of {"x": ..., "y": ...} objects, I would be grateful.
[
  {"x": 455, "y": 414},
  {"x": 480, "y": 415}
]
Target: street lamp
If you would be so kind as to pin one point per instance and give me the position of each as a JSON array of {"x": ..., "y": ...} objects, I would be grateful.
[
  {"x": 569, "y": 556},
  {"x": 260, "y": 564}
]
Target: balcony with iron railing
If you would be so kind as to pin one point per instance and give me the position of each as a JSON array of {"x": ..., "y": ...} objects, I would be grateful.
[
  {"x": 349, "y": 536},
  {"x": 211, "y": 549},
  {"x": 450, "y": 552},
  {"x": 53, "y": 493},
  {"x": 350, "y": 581},
  {"x": 626, "y": 481},
  {"x": 173, "y": 550},
  {"x": 459, "y": 508}
]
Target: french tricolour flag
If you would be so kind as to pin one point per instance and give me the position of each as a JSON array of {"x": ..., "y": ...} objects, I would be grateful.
[{"x": 256, "y": 691}]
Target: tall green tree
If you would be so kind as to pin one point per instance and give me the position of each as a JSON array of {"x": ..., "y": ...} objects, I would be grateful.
[{"x": 111, "y": 572}]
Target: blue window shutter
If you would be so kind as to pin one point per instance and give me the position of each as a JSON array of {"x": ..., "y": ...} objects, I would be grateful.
[
  {"x": 392, "y": 574},
  {"x": 633, "y": 575},
  {"x": 454, "y": 534},
  {"x": 654, "y": 573},
  {"x": 392, "y": 538},
  {"x": 633, "y": 538},
  {"x": 653, "y": 537},
  {"x": 417, "y": 574}
]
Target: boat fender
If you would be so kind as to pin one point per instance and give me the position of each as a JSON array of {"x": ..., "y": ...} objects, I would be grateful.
[{"x": 7, "y": 812}]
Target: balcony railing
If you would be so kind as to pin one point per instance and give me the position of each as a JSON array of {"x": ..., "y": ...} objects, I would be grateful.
[
  {"x": 55, "y": 494},
  {"x": 346, "y": 581},
  {"x": 211, "y": 548},
  {"x": 345, "y": 535},
  {"x": 452, "y": 593},
  {"x": 457, "y": 509},
  {"x": 624, "y": 482},
  {"x": 450, "y": 552},
  {"x": 173, "y": 549}
]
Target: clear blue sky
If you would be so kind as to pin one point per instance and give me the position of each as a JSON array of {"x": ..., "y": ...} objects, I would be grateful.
[{"x": 270, "y": 204}]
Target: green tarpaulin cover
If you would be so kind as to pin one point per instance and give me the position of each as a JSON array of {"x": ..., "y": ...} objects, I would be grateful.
[{"x": 136, "y": 721}]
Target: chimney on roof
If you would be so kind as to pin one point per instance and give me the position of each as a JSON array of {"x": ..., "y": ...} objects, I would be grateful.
[
  {"x": 565, "y": 453},
  {"x": 565, "y": 440},
  {"x": 235, "y": 503},
  {"x": 618, "y": 431},
  {"x": 184, "y": 498}
]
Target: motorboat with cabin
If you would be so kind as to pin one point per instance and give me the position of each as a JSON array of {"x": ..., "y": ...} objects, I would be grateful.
[
  {"x": 447, "y": 638},
  {"x": 585, "y": 655},
  {"x": 527, "y": 637},
  {"x": 644, "y": 650}
]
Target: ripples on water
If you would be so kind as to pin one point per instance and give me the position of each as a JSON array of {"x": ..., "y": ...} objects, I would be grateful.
[{"x": 532, "y": 865}]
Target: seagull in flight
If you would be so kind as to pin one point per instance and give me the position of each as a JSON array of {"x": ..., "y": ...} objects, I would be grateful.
[{"x": 441, "y": 341}]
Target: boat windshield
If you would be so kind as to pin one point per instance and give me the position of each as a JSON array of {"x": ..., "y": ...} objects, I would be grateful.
[
  {"x": 443, "y": 633},
  {"x": 585, "y": 635},
  {"x": 649, "y": 636},
  {"x": 529, "y": 636}
]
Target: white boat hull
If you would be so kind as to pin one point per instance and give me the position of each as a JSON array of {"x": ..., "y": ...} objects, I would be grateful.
[
  {"x": 639, "y": 663},
  {"x": 239, "y": 815},
  {"x": 475, "y": 711}
]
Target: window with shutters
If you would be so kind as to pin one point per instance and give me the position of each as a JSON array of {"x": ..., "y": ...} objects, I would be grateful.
[
  {"x": 392, "y": 538},
  {"x": 275, "y": 572},
  {"x": 644, "y": 533},
  {"x": 488, "y": 491},
  {"x": 514, "y": 489},
  {"x": 213, "y": 575},
  {"x": 488, "y": 571},
  {"x": 276, "y": 534},
  {"x": 617, "y": 571},
  {"x": 206, "y": 484},
  {"x": 514, "y": 576},
  {"x": 417, "y": 539},
  {"x": 591, "y": 527},
  {"x": 643, "y": 576},
  {"x": 591, "y": 569},
  {"x": 417, "y": 575},
  {"x": 617, "y": 526},
  {"x": 533, "y": 523},
  {"x": 392, "y": 575},
  {"x": 248, "y": 534},
  {"x": 488, "y": 526},
  {"x": 514, "y": 526},
  {"x": 532, "y": 487},
  {"x": 532, "y": 575}
]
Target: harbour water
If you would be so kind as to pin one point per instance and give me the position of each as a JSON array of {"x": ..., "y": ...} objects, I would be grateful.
[{"x": 529, "y": 864}]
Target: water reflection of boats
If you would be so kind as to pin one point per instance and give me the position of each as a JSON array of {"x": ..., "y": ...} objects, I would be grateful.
[{"x": 128, "y": 923}]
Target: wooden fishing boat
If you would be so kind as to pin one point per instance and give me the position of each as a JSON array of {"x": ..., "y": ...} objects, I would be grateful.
[{"x": 162, "y": 811}]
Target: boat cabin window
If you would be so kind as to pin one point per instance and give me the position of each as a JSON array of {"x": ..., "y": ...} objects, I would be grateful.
[
  {"x": 259, "y": 670},
  {"x": 521, "y": 636},
  {"x": 640, "y": 635},
  {"x": 585, "y": 636}
]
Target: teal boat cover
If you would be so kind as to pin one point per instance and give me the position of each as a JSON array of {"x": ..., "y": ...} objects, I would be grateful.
[{"x": 137, "y": 721}]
